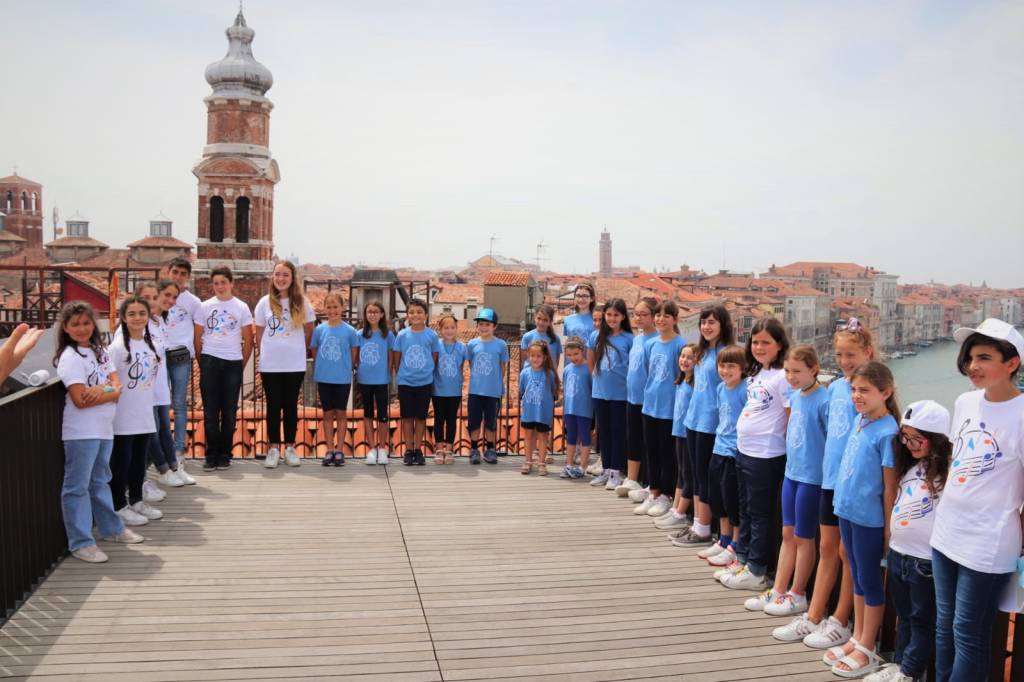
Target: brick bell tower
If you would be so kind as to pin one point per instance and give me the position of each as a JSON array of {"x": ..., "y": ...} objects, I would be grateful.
[{"x": 236, "y": 172}]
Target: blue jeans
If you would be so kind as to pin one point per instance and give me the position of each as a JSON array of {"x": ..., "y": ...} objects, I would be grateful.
[
  {"x": 161, "y": 448},
  {"x": 179, "y": 374},
  {"x": 965, "y": 606},
  {"x": 85, "y": 494},
  {"x": 913, "y": 593}
]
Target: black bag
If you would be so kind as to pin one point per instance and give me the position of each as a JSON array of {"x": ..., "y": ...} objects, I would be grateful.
[{"x": 177, "y": 355}]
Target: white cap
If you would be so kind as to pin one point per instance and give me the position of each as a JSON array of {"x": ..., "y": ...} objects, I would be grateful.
[
  {"x": 927, "y": 415},
  {"x": 994, "y": 329}
]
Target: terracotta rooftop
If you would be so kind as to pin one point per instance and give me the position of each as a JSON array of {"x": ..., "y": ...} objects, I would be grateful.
[
  {"x": 6, "y": 236},
  {"x": 33, "y": 256},
  {"x": 75, "y": 241},
  {"x": 808, "y": 268},
  {"x": 651, "y": 281},
  {"x": 501, "y": 278},
  {"x": 18, "y": 180},
  {"x": 460, "y": 293},
  {"x": 161, "y": 242}
]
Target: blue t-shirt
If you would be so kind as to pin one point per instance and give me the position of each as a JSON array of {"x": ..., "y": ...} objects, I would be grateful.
[
  {"x": 684, "y": 391},
  {"x": 448, "y": 372},
  {"x": 730, "y": 403},
  {"x": 805, "y": 435},
  {"x": 703, "y": 413},
  {"x": 579, "y": 324},
  {"x": 554, "y": 347},
  {"x": 577, "y": 387},
  {"x": 416, "y": 366},
  {"x": 485, "y": 375},
  {"x": 860, "y": 485},
  {"x": 373, "y": 358},
  {"x": 637, "y": 376},
  {"x": 333, "y": 353},
  {"x": 662, "y": 359},
  {"x": 610, "y": 374},
  {"x": 536, "y": 395},
  {"x": 842, "y": 416}
]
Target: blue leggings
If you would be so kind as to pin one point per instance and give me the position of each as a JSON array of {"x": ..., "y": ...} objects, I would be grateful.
[
  {"x": 577, "y": 430},
  {"x": 800, "y": 507},
  {"x": 864, "y": 552}
]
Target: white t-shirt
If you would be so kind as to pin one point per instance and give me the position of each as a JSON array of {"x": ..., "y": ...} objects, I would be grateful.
[
  {"x": 222, "y": 323},
  {"x": 283, "y": 345},
  {"x": 138, "y": 376},
  {"x": 181, "y": 321},
  {"x": 913, "y": 515},
  {"x": 978, "y": 523},
  {"x": 79, "y": 366},
  {"x": 157, "y": 333},
  {"x": 761, "y": 430}
]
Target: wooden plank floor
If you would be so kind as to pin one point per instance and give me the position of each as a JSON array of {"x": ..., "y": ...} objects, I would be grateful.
[{"x": 404, "y": 575}]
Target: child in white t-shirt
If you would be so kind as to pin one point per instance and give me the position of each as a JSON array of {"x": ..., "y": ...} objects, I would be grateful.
[{"x": 93, "y": 387}]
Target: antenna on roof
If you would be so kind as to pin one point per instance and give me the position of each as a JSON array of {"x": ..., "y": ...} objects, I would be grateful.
[
  {"x": 56, "y": 218},
  {"x": 492, "y": 239},
  {"x": 540, "y": 247}
]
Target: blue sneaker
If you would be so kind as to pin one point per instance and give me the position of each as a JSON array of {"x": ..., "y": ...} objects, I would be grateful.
[
  {"x": 566, "y": 472},
  {"x": 490, "y": 456},
  {"x": 577, "y": 472},
  {"x": 474, "y": 456}
]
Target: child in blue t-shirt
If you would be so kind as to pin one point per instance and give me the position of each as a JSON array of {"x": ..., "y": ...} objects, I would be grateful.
[
  {"x": 538, "y": 390},
  {"x": 488, "y": 361},
  {"x": 608, "y": 357},
  {"x": 451, "y": 356},
  {"x": 373, "y": 374},
  {"x": 335, "y": 345},
  {"x": 677, "y": 522},
  {"x": 544, "y": 331},
  {"x": 577, "y": 409},
  {"x": 581, "y": 322},
  {"x": 413, "y": 360},
  {"x": 801, "y": 485}
]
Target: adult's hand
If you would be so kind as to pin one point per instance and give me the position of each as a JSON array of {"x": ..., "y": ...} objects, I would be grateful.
[{"x": 16, "y": 347}]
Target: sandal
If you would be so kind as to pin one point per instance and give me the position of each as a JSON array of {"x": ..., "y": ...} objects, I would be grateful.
[
  {"x": 832, "y": 656},
  {"x": 526, "y": 468},
  {"x": 438, "y": 457},
  {"x": 856, "y": 669},
  {"x": 542, "y": 468},
  {"x": 449, "y": 458}
]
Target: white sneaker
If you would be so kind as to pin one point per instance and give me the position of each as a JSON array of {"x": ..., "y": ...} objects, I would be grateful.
[
  {"x": 672, "y": 522},
  {"x": 723, "y": 558},
  {"x": 595, "y": 469},
  {"x": 382, "y": 455},
  {"x": 371, "y": 457},
  {"x": 828, "y": 634},
  {"x": 143, "y": 509},
  {"x": 125, "y": 537},
  {"x": 614, "y": 481},
  {"x": 788, "y": 604},
  {"x": 601, "y": 478},
  {"x": 644, "y": 506},
  {"x": 730, "y": 569},
  {"x": 152, "y": 493},
  {"x": 90, "y": 555},
  {"x": 760, "y": 601},
  {"x": 639, "y": 494},
  {"x": 170, "y": 479},
  {"x": 796, "y": 629},
  {"x": 711, "y": 551},
  {"x": 661, "y": 505},
  {"x": 130, "y": 518},
  {"x": 626, "y": 487},
  {"x": 890, "y": 672},
  {"x": 291, "y": 458},
  {"x": 183, "y": 475},
  {"x": 745, "y": 580},
  {"x": 273, "y": 457}
]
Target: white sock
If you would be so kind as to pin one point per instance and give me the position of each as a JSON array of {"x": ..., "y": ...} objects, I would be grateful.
[
  {"x": 701, "y": 529},
  {"x": 678, "y": 515}
]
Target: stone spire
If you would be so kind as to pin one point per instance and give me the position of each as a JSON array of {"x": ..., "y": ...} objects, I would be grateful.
[{"x": 238, "y": 74}]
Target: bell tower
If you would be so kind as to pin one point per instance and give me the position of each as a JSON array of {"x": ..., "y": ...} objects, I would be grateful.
[{"x": 237, "y": 173}]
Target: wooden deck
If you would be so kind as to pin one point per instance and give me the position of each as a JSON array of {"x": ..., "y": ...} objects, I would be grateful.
[{"x": 403, "y": 575}]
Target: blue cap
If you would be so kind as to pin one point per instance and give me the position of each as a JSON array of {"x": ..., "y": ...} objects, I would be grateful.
[{"x": 487, "y": 315}]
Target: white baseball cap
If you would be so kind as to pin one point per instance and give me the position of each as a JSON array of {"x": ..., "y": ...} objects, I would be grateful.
[
  {"x": 994, "y": 329},
  {"x": 927, "y": 415}
]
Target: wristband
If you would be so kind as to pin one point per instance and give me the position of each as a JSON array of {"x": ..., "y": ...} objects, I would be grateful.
[{"x": 108, "y": 389}]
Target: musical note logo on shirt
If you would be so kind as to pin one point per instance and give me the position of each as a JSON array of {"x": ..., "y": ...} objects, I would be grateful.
[
  {"x": 220, "y": 323},
  {"x": 907, "y": 508},
  {"x": 975, "y": 452}
]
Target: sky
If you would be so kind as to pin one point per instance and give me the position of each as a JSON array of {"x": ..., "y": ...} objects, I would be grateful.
[{"x": 717, "y": 134}]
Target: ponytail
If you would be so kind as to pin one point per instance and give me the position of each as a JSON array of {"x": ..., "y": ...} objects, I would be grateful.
[{"x": 880, "y": 376}]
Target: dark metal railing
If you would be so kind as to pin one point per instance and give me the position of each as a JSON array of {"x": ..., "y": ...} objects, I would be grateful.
[{"x": 32, "y": 538}]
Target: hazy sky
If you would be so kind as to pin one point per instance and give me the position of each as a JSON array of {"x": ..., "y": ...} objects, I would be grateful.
[{"x": 886, "y": 133}]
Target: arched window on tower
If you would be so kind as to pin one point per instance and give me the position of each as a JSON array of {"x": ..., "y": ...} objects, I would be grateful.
[
  {"x": 242, "y": 220},
  {"x": 216, "y": 219},
  {"x": 24, "y": 201},
  {"x": 33, "y": 198},
  {"x": 9, "y": 203}
]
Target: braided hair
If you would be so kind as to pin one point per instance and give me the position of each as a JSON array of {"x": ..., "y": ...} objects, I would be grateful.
[{"x": 130, "y": 301}]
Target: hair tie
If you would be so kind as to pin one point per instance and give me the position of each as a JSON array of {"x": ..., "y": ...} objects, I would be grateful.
[{"x": 852, "y": 325}]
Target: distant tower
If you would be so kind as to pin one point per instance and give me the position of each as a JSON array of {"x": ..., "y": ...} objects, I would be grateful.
[
  {"x": 22, "y": 201},
  {"x": 605, "y": 246},
  {"x": 236, "y": 172}
]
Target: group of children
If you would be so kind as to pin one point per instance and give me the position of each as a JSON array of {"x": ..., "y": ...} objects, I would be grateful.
[{"x": 702, "y": 437}]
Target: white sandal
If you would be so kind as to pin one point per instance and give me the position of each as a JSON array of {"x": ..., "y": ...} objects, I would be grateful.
[
  {"x": 856, "y": 669},
  {"x": 837, "y": 652}
]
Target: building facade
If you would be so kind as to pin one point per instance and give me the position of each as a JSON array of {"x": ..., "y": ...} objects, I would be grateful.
[
  {"x": 605, "y": 255},
  {"x": 21, "y": 200}
]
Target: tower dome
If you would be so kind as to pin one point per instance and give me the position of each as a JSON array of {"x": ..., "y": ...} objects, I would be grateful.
[{"x": 238, "y": 74}]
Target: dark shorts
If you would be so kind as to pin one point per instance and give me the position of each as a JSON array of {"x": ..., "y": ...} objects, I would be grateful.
[
  {"x": 414, "y": 401},
  {"x": 539, "y": 427},
  {"x": 375, "y": 401},
  {"x": 801, "y": 507},
  {"x": 333, "y": 396},
  {"x": 483, "y": 408},
  {"x": 826, "y": 515}
]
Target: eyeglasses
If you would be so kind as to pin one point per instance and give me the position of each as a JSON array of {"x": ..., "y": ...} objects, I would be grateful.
[{"x": 911, "y": 441}]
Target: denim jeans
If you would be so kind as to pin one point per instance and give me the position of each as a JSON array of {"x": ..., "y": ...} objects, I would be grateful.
[
  {"x": 179, "y": 374},
  {"x": 85, "y": 495},
  {"x": 965, "y": 605},
  {"x": 760, "y": 483},
  {"x": 220, "y": 381},
  {"x": 913, "y": 593},
  {"x": 161, "y": 447}
]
